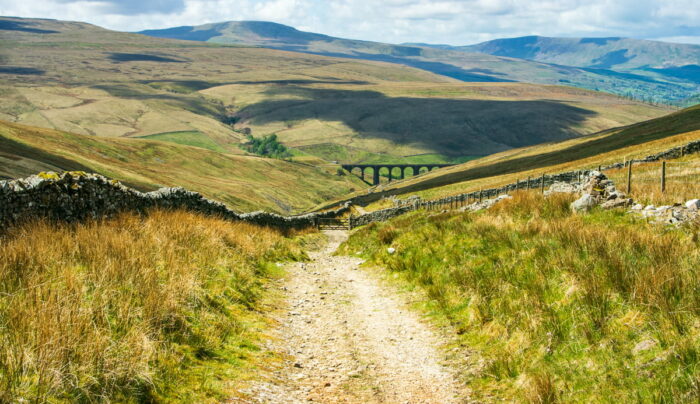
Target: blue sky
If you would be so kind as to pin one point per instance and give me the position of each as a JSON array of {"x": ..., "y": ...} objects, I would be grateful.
[{"x": 455, "y": 22}]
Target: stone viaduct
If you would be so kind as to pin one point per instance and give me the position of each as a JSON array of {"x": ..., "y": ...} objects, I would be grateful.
[{"x": 403, "y": 167}]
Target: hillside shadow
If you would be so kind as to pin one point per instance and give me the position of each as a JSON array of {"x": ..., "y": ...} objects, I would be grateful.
[
  {"x": 13, "y": 148},
  {"x": 6, "y": 25},
  {"x": 141, "y": 57},
  {"x": 452, "y": 127},
  {"x": 21, "y": 71},
  {"x": 444, "y": 69}
]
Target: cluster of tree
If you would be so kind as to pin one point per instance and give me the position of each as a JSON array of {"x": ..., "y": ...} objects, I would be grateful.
[{"x": 267, "y": 146}]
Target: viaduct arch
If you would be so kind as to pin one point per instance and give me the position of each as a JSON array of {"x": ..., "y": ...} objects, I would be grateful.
[{"x": 403, "y": 168}]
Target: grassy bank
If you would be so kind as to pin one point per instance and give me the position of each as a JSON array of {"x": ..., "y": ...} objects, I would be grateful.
[
  {"x": 555, "y": 306},
  {"x": 156, "y": 309}
]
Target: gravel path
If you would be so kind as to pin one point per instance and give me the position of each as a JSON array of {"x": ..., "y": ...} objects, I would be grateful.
[{"x": 349, "y": 339}]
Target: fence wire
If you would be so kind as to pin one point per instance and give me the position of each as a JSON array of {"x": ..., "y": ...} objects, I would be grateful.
[{"x": 652, "y": 182}]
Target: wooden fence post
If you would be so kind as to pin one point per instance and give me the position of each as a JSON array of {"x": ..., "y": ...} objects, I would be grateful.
[
  {"x": 528, "y": 182},
  {"x": 663, "y": 176},
  {"x": 629, "y": 178},
  {"x": 542, "y": 184},
  {"x": 481, "y": 195}
]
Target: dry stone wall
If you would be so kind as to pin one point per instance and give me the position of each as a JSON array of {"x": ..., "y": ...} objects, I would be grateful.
[{"x": 75, "y": 196}]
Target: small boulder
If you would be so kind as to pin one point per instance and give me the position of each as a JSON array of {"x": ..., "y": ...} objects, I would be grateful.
[
  {"x": 693, "y": 204},
  {"x": 584, "y": 203},
  {"x": 616, "y": 203},
  {"x": 391, "y": 250},
  {"x": 638, "y": 206}
]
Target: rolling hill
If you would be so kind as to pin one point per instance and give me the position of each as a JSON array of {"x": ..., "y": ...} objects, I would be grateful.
[
  {"x": 662, "y": 72},
  {"x": 83, "y": 79},
  {"x": 245, "y": 183}
]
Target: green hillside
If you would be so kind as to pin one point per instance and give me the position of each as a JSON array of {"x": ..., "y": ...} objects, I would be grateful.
[
  {"x": 245, "y": 183},
  {"x": 663, "y": 72}
]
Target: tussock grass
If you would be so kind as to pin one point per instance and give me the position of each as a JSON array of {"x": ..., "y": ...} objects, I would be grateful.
[
  {"x": 132, "y": 309},
  {"x": 556, "y": 306},
  {"x": 682, "y": 181}
]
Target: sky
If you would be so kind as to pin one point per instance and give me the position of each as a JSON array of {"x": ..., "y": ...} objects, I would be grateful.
[{"x": 454, "y": 22}]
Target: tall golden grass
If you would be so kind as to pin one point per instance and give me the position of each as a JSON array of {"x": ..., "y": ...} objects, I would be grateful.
[
  {"x": 124, "y": 309},
  {"x": 555, "y": 306},
  {"x": 682, "y": 181}
]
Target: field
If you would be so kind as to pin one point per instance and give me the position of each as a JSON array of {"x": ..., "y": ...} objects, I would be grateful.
[
  {"x": 165, "y": 308},
  {"x": 245, "y": 183},
  {"x": 83, "y": 79},
  {"x": 550, "y": 306}
]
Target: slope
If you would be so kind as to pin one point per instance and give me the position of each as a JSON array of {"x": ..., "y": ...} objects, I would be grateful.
[
  {"x": 490, "y": 62},
  {"x": 244, "y": 183},
  {"x": 607, "y": 147}
]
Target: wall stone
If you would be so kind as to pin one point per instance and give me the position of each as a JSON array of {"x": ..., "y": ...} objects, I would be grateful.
[{"x": 75, "y": 196}]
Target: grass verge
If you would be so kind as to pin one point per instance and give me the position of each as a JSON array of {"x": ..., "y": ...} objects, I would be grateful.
[
  {"x": 555, "y": 306},
  {"x": 162, "y": 308}
]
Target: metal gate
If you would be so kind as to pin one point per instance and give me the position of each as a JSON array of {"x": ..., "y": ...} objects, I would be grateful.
[{"x": 333, "y": 224}]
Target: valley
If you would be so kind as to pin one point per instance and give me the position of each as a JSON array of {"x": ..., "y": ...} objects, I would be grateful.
[
  {"x": 329, "y": 108},
  {"x": 262, "y": 271}
]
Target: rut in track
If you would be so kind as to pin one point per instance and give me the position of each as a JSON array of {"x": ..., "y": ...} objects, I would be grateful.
[{"x": 350, "y": 339}]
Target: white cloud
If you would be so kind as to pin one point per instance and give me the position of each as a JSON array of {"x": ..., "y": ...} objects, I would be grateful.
[{"x": 438, "y": 21}]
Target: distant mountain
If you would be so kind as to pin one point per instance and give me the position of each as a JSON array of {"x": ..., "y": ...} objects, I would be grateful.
[
  {"x": 599, "y": 53},
  {"x": 648, "y": 70},
  {"x": 649, "y": 60}
]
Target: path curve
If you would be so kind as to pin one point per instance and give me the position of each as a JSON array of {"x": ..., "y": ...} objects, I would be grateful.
[{"x": 350, "y": 339}]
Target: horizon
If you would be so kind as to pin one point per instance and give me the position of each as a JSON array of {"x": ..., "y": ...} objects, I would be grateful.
[{"x": 455, "y": 23}]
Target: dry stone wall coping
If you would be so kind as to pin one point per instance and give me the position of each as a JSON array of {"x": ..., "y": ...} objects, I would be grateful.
[{"x": 74, "y": 196}]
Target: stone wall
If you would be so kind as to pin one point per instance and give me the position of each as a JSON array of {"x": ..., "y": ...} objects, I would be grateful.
[
  {"x": 380, "y": 215},
  {"x": 75, "y": 196}
]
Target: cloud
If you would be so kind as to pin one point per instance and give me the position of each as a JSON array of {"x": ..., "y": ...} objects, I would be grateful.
[
  {"x": 134, "y": 7},
  {"x": 457, "y": 22}
]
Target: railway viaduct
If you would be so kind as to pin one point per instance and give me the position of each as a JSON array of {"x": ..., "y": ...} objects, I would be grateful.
[{"x": 403, "y": 167}]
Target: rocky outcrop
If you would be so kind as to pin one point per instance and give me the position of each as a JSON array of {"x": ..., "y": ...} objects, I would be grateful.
[
  {"x": 74, "y": 196},
  {"x": 599, "y": 190}
]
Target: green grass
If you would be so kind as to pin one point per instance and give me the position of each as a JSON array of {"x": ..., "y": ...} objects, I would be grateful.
[
  {"x": 196, "y": 139},
  {"x": 555, "y": 307}
]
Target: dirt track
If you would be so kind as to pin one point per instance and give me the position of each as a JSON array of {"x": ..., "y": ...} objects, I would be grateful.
[{"x": 350, "y": 339}]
